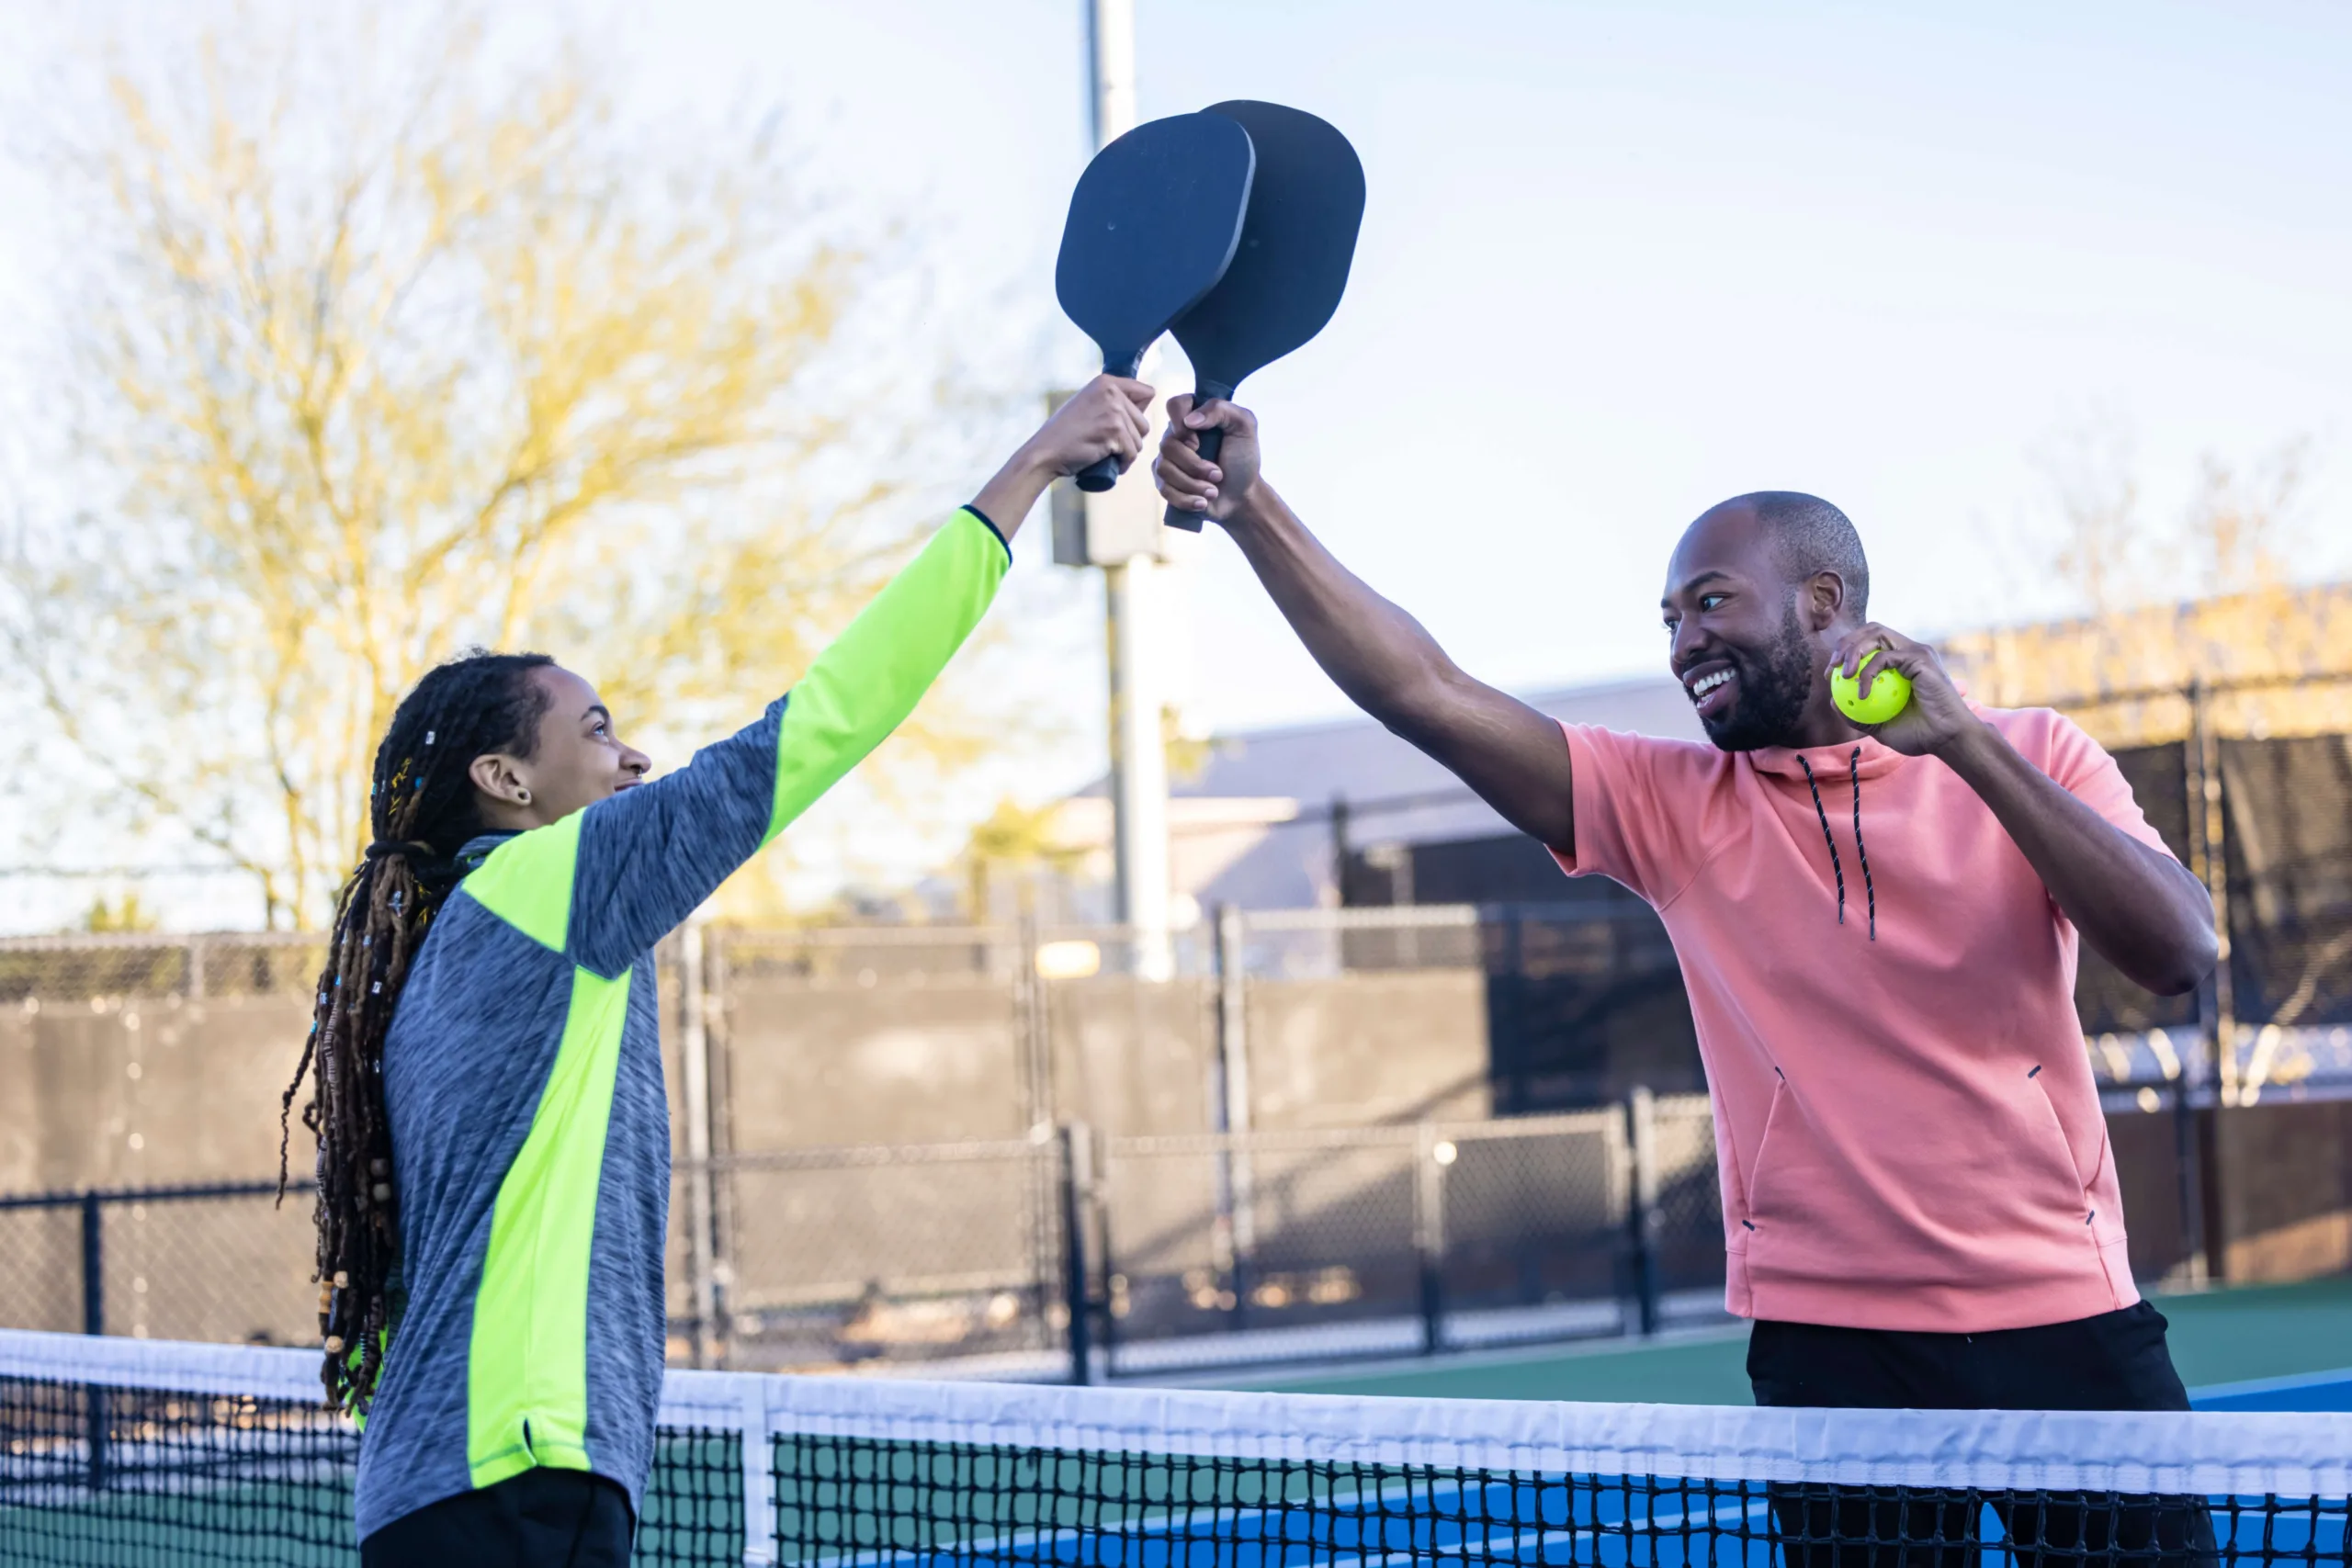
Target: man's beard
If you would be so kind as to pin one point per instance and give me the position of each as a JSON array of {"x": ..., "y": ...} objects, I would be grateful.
[{"x": 1774, "y": 686}]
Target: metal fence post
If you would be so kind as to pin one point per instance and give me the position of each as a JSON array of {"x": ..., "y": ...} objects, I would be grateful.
[
  {"x": 1340, "y": 850},
  {"x": 1235, "y": 1227},
  {"x": 1078, "y": 1182},
  {"x": 94, "y": 1264},
  {"x": 1642, "y": 1211},
  {"x": 1033, "y": 1037},
  {"x": 2217, "y": 1000},
  {"x": 93, "y": 1321},
  {"x": 694, "y": 1051},
  {"x": 1431, "y": 1156}
]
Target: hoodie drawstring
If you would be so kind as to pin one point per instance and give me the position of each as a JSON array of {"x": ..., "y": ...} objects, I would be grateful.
[
  {"x": 1854, "y": 775},
  {"x": 1837, "y": 869}
]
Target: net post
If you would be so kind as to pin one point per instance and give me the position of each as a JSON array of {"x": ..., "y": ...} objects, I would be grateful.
[
  {"x": 1432, "y": 1155},
  {"x": 1078, "y": 1182},
  {"x": 758, "y": 1459},
  {"x": 1640, "y": 1213}
]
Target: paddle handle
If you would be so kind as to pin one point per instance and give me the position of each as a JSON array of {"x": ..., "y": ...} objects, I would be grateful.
[
  {"x": 1212, "y": 443},
  {"x": 1104, "y": 472}
]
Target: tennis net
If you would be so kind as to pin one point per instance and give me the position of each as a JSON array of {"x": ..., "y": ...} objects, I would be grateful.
[{"x": 124, "y": 1452}]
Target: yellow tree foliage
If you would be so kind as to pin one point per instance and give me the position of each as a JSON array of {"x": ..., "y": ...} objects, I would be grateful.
[{"x": 365, "y": 371}]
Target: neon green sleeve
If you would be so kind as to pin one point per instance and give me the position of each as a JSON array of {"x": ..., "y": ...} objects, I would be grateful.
[
  {"x": 868, "y": 681},
  {"x": 606, "y": 883}
]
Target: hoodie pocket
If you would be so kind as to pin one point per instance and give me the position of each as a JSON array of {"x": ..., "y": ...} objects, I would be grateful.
[
  {"x": 2084, "y": 1181},
  {"x": 1777, "y": 1117}
]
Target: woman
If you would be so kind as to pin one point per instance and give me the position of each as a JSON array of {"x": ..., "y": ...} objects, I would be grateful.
[{"x": 485, "y": 1062}]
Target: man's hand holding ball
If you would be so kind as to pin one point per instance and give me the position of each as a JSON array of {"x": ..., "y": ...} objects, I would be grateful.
[{"x": 1896, "y": 689}]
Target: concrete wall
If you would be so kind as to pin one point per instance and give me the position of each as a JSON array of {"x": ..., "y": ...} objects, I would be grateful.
[
  {"x": 1133, "y": 1059},
  {"x": 1405, "y": 1046},
  {"x": 146, "y": 1092},
  {"x": 2286, "y": 1189},
  {"x": 131, "y": 1091},
  {"x": 819, "y": 1063}
]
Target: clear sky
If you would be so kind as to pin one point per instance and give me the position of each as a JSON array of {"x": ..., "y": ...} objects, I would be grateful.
[{"x": 1621, "y": 260}]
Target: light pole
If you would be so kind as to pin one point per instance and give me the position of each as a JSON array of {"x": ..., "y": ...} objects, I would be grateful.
[{"x": 1130, "y": 576}]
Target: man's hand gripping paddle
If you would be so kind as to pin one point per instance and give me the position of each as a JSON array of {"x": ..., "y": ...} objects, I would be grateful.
[
  {"x": 1297, "y": 241},
  {"x": 1152, "y": 226}
]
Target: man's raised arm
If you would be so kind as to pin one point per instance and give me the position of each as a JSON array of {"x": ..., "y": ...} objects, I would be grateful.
[{"x": 1515, "y": 758}]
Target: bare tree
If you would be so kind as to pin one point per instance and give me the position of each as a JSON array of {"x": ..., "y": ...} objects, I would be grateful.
[{"x": 372, "y": 358}]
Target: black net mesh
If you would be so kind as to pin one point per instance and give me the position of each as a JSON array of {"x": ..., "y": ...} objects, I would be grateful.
[
  {"x": 124, "y": 1476},
  {"x": 876, "y": 1501}
]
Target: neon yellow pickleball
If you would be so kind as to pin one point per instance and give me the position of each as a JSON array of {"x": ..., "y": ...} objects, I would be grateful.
[{"x": 1889, "y": 692}]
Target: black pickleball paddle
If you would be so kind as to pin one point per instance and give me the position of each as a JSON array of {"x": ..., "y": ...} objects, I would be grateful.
[
  {"x": 1299, "y": 239},
  {"x": 1152, "y": 225}
]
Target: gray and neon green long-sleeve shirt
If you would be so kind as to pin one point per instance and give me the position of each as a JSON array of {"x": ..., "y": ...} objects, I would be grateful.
[{"x": 523, "y": 1076}]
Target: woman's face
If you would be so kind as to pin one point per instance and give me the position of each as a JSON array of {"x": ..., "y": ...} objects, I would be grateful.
[{"x": 579, "y": 759}]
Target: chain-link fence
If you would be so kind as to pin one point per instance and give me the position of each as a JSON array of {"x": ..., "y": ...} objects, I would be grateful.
[
  {"x": 1133, "y": 1255},
  {"x": 828, "y": 1258},
  {"x": 1299, "y": 1246},
  {"x": 224, "y": 1262},
  {"x": 48, "y": 970},
  {"x": 1029, "y": 1257}
]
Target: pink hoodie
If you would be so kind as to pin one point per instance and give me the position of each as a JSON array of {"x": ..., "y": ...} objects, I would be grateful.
[{"x": 1907, "y": 1131}]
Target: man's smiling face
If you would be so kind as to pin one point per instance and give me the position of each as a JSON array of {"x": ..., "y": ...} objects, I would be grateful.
[{"x": 1740, "y": 648}]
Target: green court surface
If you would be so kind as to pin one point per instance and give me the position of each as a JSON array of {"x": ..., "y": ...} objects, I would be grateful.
[{"x": 2218, "y": 1336}]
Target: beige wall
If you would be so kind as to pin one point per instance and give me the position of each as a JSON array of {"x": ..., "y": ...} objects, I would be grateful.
[
  {"x": 132, "y": 1091},
  {"x": 2286, "y": 1191},
  {"x": 822, "y": 1063},
  {"x": 1133, "y": 1059},
  {"x": 1405, "y": 1046},
  {"x": 144, "y": 1091},
  {"x": 149, "y": 1092}
]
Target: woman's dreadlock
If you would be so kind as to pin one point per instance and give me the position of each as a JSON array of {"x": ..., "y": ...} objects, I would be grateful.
[{"x": 421, "y": 812}]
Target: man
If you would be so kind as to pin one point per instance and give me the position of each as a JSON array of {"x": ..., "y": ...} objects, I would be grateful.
[{"x": 1877, "y": 926}]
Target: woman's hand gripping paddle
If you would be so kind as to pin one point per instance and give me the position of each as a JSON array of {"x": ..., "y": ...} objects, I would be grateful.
[
  {"x": 1152, "y": 226},
  {"x": 1297, "y": 241}
]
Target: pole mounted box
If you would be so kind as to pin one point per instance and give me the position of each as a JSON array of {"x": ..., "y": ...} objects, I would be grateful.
[{"x": 1114, "y": 526}]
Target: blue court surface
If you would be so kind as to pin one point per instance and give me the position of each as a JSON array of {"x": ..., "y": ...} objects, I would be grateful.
[
  {"x": 1594, "y": 1524},
  {"x": 2309, "y": 1390}
]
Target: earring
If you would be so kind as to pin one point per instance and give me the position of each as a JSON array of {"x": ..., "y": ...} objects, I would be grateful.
[{"x": 523, "y": 798}]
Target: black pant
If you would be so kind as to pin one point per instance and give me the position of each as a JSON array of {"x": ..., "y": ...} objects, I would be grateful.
[
  {"x": 541, "y": 1518},
  {"x": 2115, "y": 1361}
]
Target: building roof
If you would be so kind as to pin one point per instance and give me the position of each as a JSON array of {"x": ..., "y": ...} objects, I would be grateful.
[{"x": 1252, "y": 826}]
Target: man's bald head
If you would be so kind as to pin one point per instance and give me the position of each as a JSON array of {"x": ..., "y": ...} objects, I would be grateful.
[{"x": 1808, "y": 536}]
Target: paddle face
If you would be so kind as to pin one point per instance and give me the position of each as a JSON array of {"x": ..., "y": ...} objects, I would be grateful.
[
  {"x": 1299, "y": 239},
  {"x": 1152, "y": 224}
]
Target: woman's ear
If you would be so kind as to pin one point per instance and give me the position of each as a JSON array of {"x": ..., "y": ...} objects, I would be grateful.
[{"x": 496, "y": 776}]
